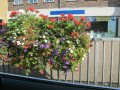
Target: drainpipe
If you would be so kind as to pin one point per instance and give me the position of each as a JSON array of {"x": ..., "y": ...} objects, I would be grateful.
[
  {"x": 117, "y": 27},
  {"x": 59, "y": 3}
]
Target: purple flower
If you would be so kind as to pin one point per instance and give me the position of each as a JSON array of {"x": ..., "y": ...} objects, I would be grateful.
[
  {"x": 57, "y": 52},
  {"x": 44, "y": 46},
  {"x": 67, "y": 62},
  {"x": 25, "y": 50},
  {"x": 65, "y": 67},
  {"x": 62, "y": 39},
  {"x": 3, "y": 31}
]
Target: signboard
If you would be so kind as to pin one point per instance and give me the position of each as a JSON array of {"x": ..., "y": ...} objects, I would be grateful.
[{"x": 58, "y": 12}]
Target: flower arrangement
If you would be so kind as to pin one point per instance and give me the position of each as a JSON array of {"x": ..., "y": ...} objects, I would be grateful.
[{"x": 35, "y": 40}]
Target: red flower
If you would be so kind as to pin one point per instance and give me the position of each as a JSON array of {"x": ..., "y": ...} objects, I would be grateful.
[
  {"x": 63, "y": 19},
  {"x": 31, "y": 8},
  {"x": 62, "y": 15},
  {"x": 76, "y": 22},
  {"x": 43, "y": 16},
  {"x": 52, "y": 19},
  {"x": 13, "y": 13},
  {"x": 73, "y": 60},
  {"x": 91, "y": 45},
  {"x": 74, "y": 34},
  {"x": 70, "y": 16},
  {"x": 3, "y": 23},
  {"x": 50, "y": 26},
  {"x": 83, "y": 18},
  {"x": 88, "y": 24}
]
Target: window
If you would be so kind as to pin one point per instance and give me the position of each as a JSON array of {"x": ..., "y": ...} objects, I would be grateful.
[
  {"x": 18, "y": 2},
  {"x": 71, "y": 0},
  {"x": 32, "y": 1},
  {"x": 48, "y": 0},
  {"x": 99, "y": 26}
]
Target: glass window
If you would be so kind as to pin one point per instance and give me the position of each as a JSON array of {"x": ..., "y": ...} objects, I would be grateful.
[
  {"x": 18, "y": 2},
  {"x": 32, "y": 1},
  {"x": 48, "y": 0}
]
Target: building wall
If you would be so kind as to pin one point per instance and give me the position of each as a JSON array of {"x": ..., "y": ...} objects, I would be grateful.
[
  {"x": 65, "y": 4},
  {"x": 3, "y": 9}
]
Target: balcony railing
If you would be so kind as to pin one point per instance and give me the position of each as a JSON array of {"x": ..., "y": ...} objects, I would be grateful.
[{"x": 101, "y": 66}]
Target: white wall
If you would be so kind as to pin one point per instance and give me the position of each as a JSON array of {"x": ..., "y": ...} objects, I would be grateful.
[{"x": 89, "y": 11}]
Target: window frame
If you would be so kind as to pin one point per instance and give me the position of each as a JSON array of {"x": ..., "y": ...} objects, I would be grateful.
[
  {"x": 19, "y": 2},
  {"x": 49, "y": 1},
  {"x": 33, "y": 1}
]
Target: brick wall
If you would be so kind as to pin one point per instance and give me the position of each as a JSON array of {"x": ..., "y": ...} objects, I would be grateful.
[{"x": 66, "y": 4}]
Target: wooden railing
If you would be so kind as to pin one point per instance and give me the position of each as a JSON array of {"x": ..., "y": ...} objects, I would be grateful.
[{"x": 101, "y": 66}]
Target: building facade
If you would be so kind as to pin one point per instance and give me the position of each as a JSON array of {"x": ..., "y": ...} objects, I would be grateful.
[
  {"x": 45, "y": 4},
  {"x": 3, "y": 9},
  {"x": 104, "y": 15}
]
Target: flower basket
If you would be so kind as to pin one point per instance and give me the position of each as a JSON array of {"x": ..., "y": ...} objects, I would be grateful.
[{"x": 35, "y": 40}]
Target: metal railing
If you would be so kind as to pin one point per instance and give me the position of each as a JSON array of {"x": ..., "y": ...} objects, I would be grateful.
[{"x": 101, "y": 66}]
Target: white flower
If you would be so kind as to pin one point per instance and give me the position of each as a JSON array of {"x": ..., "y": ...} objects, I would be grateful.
[
  {"x": 35, "y": 45},
  {"x": 14, "y": 37},
  {"x": 24, "y": 38},
  {"x": 18, "y": 43},
  {"x": 18, "y": 32},
  {"x": 71, "y": 51},
  {"x": 13, "y": 41},
  {"x": 84, "y": 55},
  {"x": 46, "y": 33},
  {"x": 73, "y": 47},
  {"x": 22, "y": 11},
  {"x": 57, "y": 41},
  {"x": 22, "y": 43},
  {"x": 68, "y": 41},
  {"x": 43, "y": 36},
  {"x": 45, "y": 41}
]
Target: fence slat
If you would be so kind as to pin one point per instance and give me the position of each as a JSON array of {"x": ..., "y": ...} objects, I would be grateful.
[
  {"x": 119, "y": 68},
  {"x": 73, "y": 77},
  {"x": 103, "y": 63},
  {"x": 88, "y": 58},
  {"x": 80, "y": 73},
  {"x": 58, "y": 74},
  {"x": 111, "y": 63},
  {"x": 96, "y": 63},
  {"x": 51, "y": 73},
  {"x": 65, "y": 76}
]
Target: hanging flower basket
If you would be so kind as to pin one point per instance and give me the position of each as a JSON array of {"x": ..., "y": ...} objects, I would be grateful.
[{"x": 35, "y": 40}]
